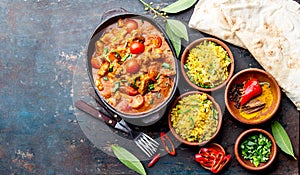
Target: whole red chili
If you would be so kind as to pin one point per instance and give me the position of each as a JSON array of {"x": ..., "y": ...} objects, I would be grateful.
[
  {"x": 154, "y": 160},
  {"x": 164, "y": 137},
  {"x": 251, "y": 89}
]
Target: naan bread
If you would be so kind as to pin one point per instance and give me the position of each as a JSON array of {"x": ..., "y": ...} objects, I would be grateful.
[
  {"x": 209, "y": 18},
  {"x": 269, "y": 29}
]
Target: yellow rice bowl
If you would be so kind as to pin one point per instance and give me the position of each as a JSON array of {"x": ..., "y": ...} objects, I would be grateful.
[
  {"x": 194, "y": 118},
  {"x": 207, "y": 64}
]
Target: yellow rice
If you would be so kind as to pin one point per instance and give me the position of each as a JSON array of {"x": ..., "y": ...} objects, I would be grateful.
[
  {"x": 207, "y": 64},
  {"x": 194, "y": 118}
]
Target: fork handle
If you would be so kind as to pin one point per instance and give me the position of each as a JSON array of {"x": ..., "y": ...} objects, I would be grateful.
[{"x": 83, "y": 106}]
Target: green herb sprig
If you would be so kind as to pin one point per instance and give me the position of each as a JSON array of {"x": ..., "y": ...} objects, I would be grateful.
[
  {"x": 175, "y": 29},
  {"x": 282, "y": 139},
  {"x": 155, "y": 10}
]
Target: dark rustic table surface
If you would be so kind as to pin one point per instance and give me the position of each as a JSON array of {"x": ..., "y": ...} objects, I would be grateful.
[{"x": 42, "y": 73}]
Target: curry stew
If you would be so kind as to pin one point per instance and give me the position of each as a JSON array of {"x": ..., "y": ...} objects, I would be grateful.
[{"x": 133, "y": 66}]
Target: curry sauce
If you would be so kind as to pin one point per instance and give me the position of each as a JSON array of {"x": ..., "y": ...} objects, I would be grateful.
[{"x": 133, "y": 66}]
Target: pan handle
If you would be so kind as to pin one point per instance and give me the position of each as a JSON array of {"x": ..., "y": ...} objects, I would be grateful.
[{"x": 113, "y": 12}]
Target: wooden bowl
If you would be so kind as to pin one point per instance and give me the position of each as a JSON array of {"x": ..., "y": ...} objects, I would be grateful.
[
  {"x": 262, "y": 76},
  {"x": 185, "y": 54},
  {"x": 178, "y": 137},
  {"x": 246, "y": 163}
]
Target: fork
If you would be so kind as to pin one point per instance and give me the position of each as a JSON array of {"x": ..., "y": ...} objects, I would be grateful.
[{"x": 148, "y": 145}]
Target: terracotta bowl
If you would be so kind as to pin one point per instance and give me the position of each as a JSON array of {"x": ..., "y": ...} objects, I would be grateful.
[
  {"x": 215, "y": 146},
  {"x": 186, "y": 53},
  {"x": 178, "y": 137},
  {"x": 246, "y": 163},
  {"x": 262, "y": 76}
]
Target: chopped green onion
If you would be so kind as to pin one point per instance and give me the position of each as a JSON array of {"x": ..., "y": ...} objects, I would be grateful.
[
  {"x": 158, "y": 95},
  {"x": 105, "y": 51},
  {"x": 125, "y": 57},
  {"x": 111, "y": 67},
  {"x": 151, "y": 101},
  {"x": 215, "y": 113},
  {"x": 150, "y": 86},
  {"x": 117, "y": 86},
  {"x": 166, "y": 65},
  {"x": 187, "y": 110},
  {"x": 105, "y": 78},
  {"x": 105, "y": 54},
  {"x": 192, "y": 122},
  {"x": 135, "y": 82},
  {"x": 157, "y": 77},
  {"x": 185, "y": 66}
]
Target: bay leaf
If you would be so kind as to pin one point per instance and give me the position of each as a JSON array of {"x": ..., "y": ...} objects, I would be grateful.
[
  {"x": 178, "y": 28},
  {"x": 128, "y": 159},
  {"x": 282, "y": 139},
  {"x": 175, "y": 40},
  {"x": 179, "y": 6}
]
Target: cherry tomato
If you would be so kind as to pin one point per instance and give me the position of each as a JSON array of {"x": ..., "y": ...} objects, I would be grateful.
[
  {"x": 131, "y": 25},
  {"x": 132, "y": 66},
  {"x": 131, "y": 91},
  {"x": 95, "y": 63},
  {"x": 155, "y": 40},
  {"x": 137, "y": 47},
  {"x": 137, "y": 101}
]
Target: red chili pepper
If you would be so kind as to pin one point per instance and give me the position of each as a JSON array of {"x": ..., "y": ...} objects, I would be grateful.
[
  {"x": 208, "y": 162},
  {"x": 219, "y": 166},
  {"x": 154, "y": 160},
  {"x": 251, "y": 89},
  {"x": 209, "y": 151},
  {"x": 212, "y": 158},
  {"x": 164, "y": 137}
]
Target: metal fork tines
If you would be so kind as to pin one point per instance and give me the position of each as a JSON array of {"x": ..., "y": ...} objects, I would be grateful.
[{"x": 146, "y": 144}]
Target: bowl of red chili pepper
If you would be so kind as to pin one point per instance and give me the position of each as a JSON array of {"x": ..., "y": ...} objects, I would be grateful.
[
  {"x": 252, "y": 96},
  {"x": 255, "y": 149},
  {"x": 212, "y": 157}
]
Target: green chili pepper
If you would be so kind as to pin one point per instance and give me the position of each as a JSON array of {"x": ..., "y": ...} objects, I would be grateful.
[
  {"x": 257, "y": 149},
  {"x": 117, "y": 86}
]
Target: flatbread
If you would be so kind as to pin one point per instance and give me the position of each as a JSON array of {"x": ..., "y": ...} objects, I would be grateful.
[{"x": 269, "y": 29}]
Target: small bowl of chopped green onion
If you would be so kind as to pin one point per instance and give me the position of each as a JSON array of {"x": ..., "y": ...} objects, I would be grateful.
[
  {"x": 207, "y": 64},
  {"x": 255, "y": 149}
]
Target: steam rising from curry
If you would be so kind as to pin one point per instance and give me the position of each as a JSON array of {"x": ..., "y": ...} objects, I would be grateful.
[{"x": 133, "y": 66}]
